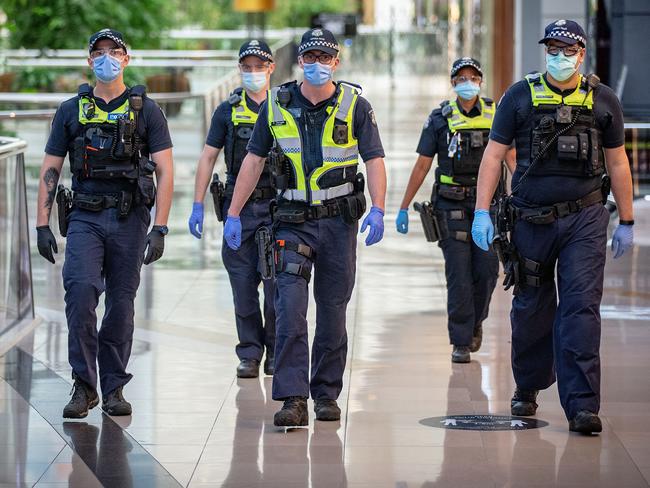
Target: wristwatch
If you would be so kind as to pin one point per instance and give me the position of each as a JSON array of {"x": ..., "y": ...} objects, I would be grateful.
[
  {"x": 626, "y": 222},
  {"x": 163, "y": 229}
]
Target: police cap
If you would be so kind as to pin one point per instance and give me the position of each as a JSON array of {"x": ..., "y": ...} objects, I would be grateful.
[
  {"x": 319, "y": 39},
  {"x": 111, "y": 34},
  {"x": 464, "y": 62},
  {"x": 567, "y": 31},
  {"x": 258, "y": 48}
]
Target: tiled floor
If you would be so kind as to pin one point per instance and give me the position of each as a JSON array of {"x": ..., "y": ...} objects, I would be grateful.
[{"x": 196, "y": 425}]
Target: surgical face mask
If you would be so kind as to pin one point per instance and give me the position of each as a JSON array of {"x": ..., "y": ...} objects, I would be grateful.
[
  {"x": 107, "y": 68},
  {"x": 561, "y": 67},
  {"x": 317, "y": 74},
  {"x": 467, "y": 90},
  {"x": 254, "y": 82}
]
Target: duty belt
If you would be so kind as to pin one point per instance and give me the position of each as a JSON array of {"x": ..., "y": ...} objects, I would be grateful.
[
  {"x": 550, "y": 213},
  {"x": 258, "y": 193},
  {"x": 452, "y": 192},
  {"x": 93, "y": 202}
]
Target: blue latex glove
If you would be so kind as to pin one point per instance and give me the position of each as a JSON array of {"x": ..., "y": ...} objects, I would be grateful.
[
  {"x": 402, "y": 221},
  {"x": 196, "y": 220},
  {"x": 622, "y": 240},
  {"x": 374, "y": 219},
  {"x": 482, "y": 229},
  {"x": 232, "y": 232}
]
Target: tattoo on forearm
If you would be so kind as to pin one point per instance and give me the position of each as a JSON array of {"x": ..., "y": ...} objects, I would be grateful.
[{"x": 51, "y": 178}]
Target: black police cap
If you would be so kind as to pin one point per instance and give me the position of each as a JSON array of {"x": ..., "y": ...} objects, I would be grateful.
[
  {"x": 465, "y": 62},
  {"x": 567, "y": 31},
  {"x": 111, "y": 34},
  {"x": 319, "y": 39},
  {"x": 258, "y": 48}
]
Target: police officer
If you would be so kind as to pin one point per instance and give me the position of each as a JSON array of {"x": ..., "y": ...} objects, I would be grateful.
[
  {"x": 109, "y": 132},
  {"x": 458, "y": 132},
  {"x": 232, "y": 125},
  {"x": 568, "y": 130},
  {"x": 317, "y": 130}
]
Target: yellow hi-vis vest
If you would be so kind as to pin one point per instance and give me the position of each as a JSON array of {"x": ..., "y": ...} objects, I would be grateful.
[
  {"x": 458, "y": 121},
  {"x": 88, "y": 107},
  {"x": 241, "y": 114},
  {"x": 335, "y": 156},
  {"x": 541, "y": 93}
]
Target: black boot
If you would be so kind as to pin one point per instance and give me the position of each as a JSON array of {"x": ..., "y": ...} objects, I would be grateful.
[
  {"x": 84, "y": 398},
  {"x": 460, "y": 354},
  {"x": 523, "y": 403},
  {"x": 269, "y": 366},
  {"x": 477, "y": 339},
  {"x": 293, "y": 413},
  {"x": 585, "y": 422},
  {"x": 327, "y": 410},
  {"x": 248, "y": 368},
  {"x": 115, "y": 404}
]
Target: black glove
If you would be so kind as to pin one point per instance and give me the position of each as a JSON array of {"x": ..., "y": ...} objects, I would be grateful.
[
  {"x": 46, "y": 242},
  {"x": 154, "y": 245}
]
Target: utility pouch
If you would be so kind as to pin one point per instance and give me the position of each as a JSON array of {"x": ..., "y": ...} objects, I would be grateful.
[
  {"x": 265, "y": 252},
  {"x": 218, "y": 191},
  {"x": 64, "y": 207},
  {"x": 276, "y": 161},
  {"x": 429, "y": 220},
  {"x": 124, "y": 202},
  {"x": 290, "y": 215},
  {"x": 595, "y": 165},
  {"x": 125, "y": 141},
  {"x": 354, "y": 206},
  {"x": 605, "y": 187},
  {"x": 451, "y": 192},
  {"x": 77, "y": 157},
  {"x": 568, "y": 148},
  {"x": 146, "y": 193}
]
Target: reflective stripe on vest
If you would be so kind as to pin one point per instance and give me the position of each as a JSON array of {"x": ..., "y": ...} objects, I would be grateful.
[
  {"x": 285, "y": 131},
  {"x": 459, "y": 121},
  {"x": 541, "y": 93},
  {"x": 99, "y": 116},
  {"x": 241, "y": 114}
]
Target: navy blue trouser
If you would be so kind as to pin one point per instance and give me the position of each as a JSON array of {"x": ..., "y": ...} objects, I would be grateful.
[
  {"x": 471, "y": 273},
  {"x": 103, "y": 253},
  {"x": 254, "y": 333},
  {"x": 564, "y": 338},
  {"x": 334, "y": 268}
]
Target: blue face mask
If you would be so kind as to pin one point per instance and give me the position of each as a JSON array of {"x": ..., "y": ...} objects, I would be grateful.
[
  {"x": 560, "y": 67},
  {"x": 254, "y": 82},
  {"x": 317, "y": 74},
  {"x": 107, "y": 68},
  {"x": 467, "y": 90}
]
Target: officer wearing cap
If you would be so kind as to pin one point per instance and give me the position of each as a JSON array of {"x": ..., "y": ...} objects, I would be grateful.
[
  {"x": 457, "y": 132},
  {"x": 316, "y": 131},
  {"x": 231, "y": 127},
  {"x": 568, "y": 133},
  {"x": 116, "y": 138}
]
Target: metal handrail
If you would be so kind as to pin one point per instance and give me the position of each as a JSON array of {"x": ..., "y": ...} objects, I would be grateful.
[
  {"x": 10, "y": 146},
  {"x": 144, "y": 63},
  {"x": 134, "y": 53}
]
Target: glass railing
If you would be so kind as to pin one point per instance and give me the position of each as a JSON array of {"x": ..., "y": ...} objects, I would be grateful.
[{"x": 16, "y": 297}]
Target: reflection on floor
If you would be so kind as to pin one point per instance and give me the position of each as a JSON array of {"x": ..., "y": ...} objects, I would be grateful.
[{"x": 195, "y": 424}]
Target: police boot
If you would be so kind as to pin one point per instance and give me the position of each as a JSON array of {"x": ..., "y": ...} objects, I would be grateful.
[
  {"x": 327, "y": 410},
  {"x": 293, "y": 413},
  {"x": 84, "y": 398},
  {"x": 460, "y": 354},
  {"x": 477, "y": 339},
  {"x": 523, "y": 403},
  {"x": 115, "y": 404},
  {"x": 248, "y": 368},
  {"x": 585, "y": 422},
  {"x": 269, "y": 367}
]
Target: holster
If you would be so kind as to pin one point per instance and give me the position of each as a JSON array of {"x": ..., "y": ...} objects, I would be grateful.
[
  {"x": 430, "y": 222},
  {"x": 218, "y": 191},
  {"x": 354, "y": 206},
  {"x": 64, "y": 207},
  {"x": 266, "y": 252}
]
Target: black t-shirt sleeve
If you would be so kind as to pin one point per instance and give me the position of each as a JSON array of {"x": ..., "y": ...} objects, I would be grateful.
[
  {"x": 609, "y": 116},
  {"x": 366, "y": 131},
  {"x": 219, "y": 126},
  {"x": 261, "y": 140},
  {"x": 60, "y": 134},
  {"x": 504, "y": 127},
  {"x": 157, "y": 130},
  {"x": 428, "y": 144}
]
